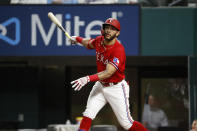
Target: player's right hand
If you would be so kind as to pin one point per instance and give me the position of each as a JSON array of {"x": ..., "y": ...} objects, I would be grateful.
[{"x": 73, "y": 40}]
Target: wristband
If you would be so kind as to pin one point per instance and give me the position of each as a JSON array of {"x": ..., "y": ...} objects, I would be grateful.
[
  {"x": 79, "y": 39},
  {"x": 94, "y": 77}
]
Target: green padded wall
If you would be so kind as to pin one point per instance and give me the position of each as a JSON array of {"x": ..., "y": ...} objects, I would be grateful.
[
  {"x": 167, "y": 31},
  {"x": 193, "y": 87}
]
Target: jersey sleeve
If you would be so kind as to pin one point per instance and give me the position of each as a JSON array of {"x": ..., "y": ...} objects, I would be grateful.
[
  {"x": 91, "y": 42},
  {"x": 117, "y": 58}
]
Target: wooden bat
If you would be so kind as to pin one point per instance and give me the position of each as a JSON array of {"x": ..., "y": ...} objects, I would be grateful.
[{"x": 57, "y": 22}]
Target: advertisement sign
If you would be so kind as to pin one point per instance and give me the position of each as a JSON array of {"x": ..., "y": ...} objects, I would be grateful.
[{"x": 26, "y": 30}]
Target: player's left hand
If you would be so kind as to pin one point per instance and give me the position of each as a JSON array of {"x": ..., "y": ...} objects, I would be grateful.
[
  {"x": 73, "y": 40},
  {"x": 79, "y": 83}
]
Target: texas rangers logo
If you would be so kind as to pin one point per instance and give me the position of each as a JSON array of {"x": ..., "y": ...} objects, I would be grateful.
[{"x": 116, "y": 61}]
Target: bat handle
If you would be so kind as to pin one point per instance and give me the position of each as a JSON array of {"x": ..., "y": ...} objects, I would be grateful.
[{"x": 66, "y": 33}]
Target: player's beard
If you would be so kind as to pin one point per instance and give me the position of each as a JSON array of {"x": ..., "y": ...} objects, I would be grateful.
[{"x": 109, "y": 39}]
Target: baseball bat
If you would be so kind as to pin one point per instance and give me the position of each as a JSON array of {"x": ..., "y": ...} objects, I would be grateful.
[{"x": 57, "y": 22}]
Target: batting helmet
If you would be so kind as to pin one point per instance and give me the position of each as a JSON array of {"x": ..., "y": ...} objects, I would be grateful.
[{"x": 113, "y": 22}]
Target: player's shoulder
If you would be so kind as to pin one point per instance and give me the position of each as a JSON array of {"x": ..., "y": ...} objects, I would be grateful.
[
  {"x": 119, "y": 46},
  {"x": 118, "y": 49}
]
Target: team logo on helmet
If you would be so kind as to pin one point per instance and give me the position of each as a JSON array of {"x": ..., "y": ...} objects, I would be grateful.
[{"x": 110, "y": 20}]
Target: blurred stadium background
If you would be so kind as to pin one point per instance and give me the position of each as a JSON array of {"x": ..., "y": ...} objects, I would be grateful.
[{"x": 34, "y": 81}]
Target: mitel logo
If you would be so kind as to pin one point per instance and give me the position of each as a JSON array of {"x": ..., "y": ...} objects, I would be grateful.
[
  {"x": 5, "y": 34},
  {"x": 73, "y": 24}
]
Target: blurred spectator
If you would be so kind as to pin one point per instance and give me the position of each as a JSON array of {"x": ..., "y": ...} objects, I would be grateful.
[
  {"x": 132, "y": 1},
  {"x": 98, "y": 1},
  {"x": 92, "y": 1},
  {"x": 62, "y": 1},
  {"x": 152, "y": 2},
  {"x": 28, "y": 1},
  {"x": 153, "y": 117},
  {"x": 194, "y": 125},
  {"x": 192, "y": 3},
  {"x": 163, "y": 2},
  {"x": 128, "y": 1},
  {"x": 179, "y": 90},
  {"x": 177, "y": 3}
]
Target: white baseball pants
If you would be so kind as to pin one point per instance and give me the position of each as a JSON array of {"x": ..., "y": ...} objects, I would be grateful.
[{"x": 118, "y": 98}]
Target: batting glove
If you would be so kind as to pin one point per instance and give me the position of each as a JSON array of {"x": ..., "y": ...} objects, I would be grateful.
[
  {"x": 76, "y": 39},
  {"x": 73, "y": 40},
  {"x": 79, "y": 83}
]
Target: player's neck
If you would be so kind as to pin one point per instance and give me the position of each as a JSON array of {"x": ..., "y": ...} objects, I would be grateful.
[{"x": 111, "y": 42}]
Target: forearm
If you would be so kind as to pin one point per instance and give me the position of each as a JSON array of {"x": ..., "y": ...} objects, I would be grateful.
[
  {"x": 108, "y": 72},
  {"x": 79, "y": 83},
  {"x": 104, "y": 75},
  {"x": 83, "y": 41},
  {"x": 100, "y": 76}
]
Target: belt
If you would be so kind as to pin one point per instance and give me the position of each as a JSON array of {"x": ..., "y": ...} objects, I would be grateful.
[{"x": 105, "y": 84}]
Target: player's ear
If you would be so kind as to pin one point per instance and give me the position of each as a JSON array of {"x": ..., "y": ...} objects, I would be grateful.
[
  {"x": 118, "y": 33},
  {"x": 102, "y": 32}
]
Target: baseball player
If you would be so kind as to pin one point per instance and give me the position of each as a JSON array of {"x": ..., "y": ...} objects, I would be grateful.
[{"x": 110, "y": 86}]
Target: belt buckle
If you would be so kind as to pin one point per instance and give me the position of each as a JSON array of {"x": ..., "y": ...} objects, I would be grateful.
[
  {"x": 108, "y": 84},
  {"x": 111, "y": 84}
]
